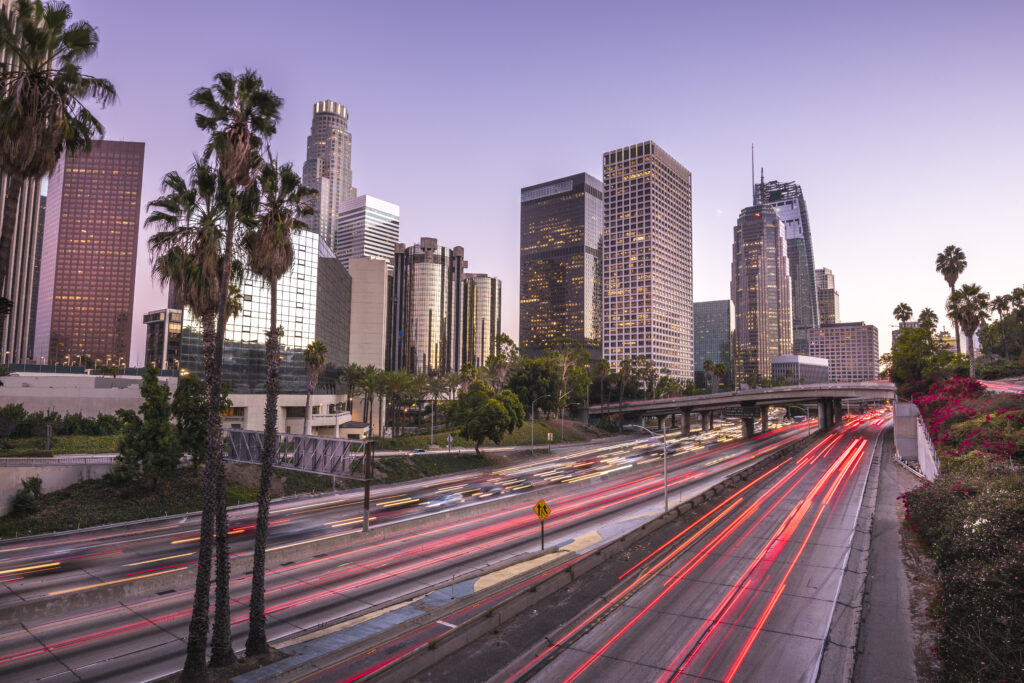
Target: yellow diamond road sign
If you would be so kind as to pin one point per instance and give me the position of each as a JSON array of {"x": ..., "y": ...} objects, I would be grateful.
[{"x": 542, "y": 510}]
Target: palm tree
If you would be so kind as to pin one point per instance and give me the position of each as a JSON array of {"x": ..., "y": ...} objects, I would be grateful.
[
  {"x": 452, "y": 383},
  {"x": 969, "y": 307},
  {"x": 186, "y": 255},
  {"x": 601, "y": 370},
  {"x": 239, "y": 114},
  {"x": 270, "y": 253},
  {"x": 1002, "y": 305},
  {"x": 42, "y": 90},
  {"x": 951, "y": 262},
  {"x": 315, "y": 356},
  {"x": 1017, "y": 297},
  {"x": 720, "y": 372},
  {"x": 625, "y": 368},
  {"x": 709, "y": 373},
  {"x": 370, "y": 384},
  {"x": 928, "y": 319},
  {"x": 903, "y": 313},
  {"x": 350, "y": 375}
]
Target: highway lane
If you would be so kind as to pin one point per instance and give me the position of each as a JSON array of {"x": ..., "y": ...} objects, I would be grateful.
[
  {"x": 144, "y": 639},
  {"x": 1004, "y": 386},
  {"x": 745, "y": 593}
]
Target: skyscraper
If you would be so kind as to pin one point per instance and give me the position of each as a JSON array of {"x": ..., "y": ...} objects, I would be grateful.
[
  {"x": 87, "y": 269},
  {"x": 425, "y": 328},
  {"x": 560, "y": 224},
  {"x": 851, "y": 350},
  {"x": 482, "y": 317},
  {"x": 788, "y": 201},
  {"x": 760, "y": 293},
  {"x": 712, "y": 335},
  {"x": 16, "y": 343},
  {"x": 647, "y": 252},
  {"x": 828, "y": 297},
  {"x": 366, "y": 226},
  {"x": 328, "y": 167}
]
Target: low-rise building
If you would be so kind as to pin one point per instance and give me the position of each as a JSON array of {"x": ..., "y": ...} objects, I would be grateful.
[{"x": 796, "y": 369}]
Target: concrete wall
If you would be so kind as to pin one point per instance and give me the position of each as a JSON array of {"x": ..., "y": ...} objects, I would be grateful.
[
  {"x": 55, "y": 475},
  {"x": 912, "y": 441},
  {"x": 369, "y": 304},
  {"x": 89, "y": 395}
]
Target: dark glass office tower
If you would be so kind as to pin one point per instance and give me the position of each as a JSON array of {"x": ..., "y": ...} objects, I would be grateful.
[
  {"x": 87, "y": 265},
  {"x": 712, "y": 336},
  {"x": 560, "y": 263},
  {"x": 788, "y": 201},
  {"x": 760, "y": 293}
]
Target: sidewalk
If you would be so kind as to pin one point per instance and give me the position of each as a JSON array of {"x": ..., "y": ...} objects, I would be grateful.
[{"x": 885, "y": 646}]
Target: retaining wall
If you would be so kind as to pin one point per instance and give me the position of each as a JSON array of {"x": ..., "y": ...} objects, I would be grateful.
[{"x": 54, "y": 473}]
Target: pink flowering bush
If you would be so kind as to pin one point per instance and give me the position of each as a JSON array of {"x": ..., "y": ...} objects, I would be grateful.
[{"x": 971, "y": 521}]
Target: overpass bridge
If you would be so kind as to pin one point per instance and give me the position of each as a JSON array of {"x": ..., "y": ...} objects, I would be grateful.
[{"x": 753, "y": 402}]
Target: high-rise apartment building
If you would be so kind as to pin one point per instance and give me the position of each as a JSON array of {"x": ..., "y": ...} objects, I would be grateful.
[
  {"x": 482, "y": 317},
  {"x": 328, "y": 167},
  {"x": 712, "y": 336},
  {"x": 16, "y": 338},
  {"x": 87, "y": 269},
  {"x": 788, "y": 201},
  {"x": 366, "y": 227},
  {"x": 425, "y": 328},
  {"x": 828, "y": 297},
  {"x": 851, "y": 350},
  {"x": 647, "y": 252},
  {"x": 560, "y": 225},
  {"x": 311, "y": 305},
  {"x": 760, "y": 293}
]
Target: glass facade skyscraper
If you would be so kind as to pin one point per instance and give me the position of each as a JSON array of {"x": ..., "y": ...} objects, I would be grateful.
[
  {"x": 560, "y": 225},
  {"x": 328, "y": 167},
  {"x": 647, "y": 253},
  {"x": 87, "y": 265},
  {"x": 760, "y": 293},
  {"x": 425, "y": 314},
  {"x": 482, "y": 317},
  {"x": 788, "y": 201},
  {"x": 712, "y": 335},
  {"x": 366, "y": 226},
  {"x": 299, "y": 313},
  {"x": 828, "y": 296}
]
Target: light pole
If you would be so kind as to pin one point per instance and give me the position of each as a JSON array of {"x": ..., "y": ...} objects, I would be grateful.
[
  {"x": 562, "y": 420},
  {"x": 664, "y": 454},
  {"x": 533, "y": 403}
]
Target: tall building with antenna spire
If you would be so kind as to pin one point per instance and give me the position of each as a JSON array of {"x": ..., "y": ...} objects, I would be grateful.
[{"x": 788, "y": 201}]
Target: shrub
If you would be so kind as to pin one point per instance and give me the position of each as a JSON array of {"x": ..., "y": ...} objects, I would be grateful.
[{"x": 26, "y": 500}]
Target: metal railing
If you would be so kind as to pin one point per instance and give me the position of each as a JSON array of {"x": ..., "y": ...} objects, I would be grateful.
[{"x": 318, "y": 454}]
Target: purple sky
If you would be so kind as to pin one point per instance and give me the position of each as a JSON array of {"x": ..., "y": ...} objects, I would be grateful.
[{"x": 902, "y": 121}]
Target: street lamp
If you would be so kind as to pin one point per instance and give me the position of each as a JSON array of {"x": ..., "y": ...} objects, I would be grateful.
[
  {"x": 533, "y": 403},
  {"x": 664, "y": 453},
  {"x": 562, "y": 418}
]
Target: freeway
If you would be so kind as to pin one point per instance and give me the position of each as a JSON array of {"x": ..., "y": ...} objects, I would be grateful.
[
  {"x": 746, "y": 592},
  {"x": 142, "y": 638},
  {"x": 1004, "y": 386}
]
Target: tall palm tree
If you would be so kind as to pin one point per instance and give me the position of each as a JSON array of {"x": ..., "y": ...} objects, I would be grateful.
[
  {"x": 928, "y": 319},
  {"x": 270, "y": 252},
  {"x": 720, "y": 372},
  {"x": 1017, "y": 297},
  {"x": 315, "y": 356},
  {"x": 350, "y": 375},
  {"x": 1002, "y": 305},
  {"x": 186, "y": 254},
  {"x": 951, "y": 262},
  {"x": 370, "y": 387},
  {"x": 42, "y": 95},
  {"x": 239, "y": 114},
  {"x": 452, "y": 383},
  {"x": 709, "y": 373},
  {"x": 903, "y": 312},
  {"x": 625, "y": 370},
  {"x": 601, "y": 371},
  {"x": 969, "y": 307}
]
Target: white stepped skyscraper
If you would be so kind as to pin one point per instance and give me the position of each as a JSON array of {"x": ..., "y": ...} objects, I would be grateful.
[{"x": 328, "y": 167}]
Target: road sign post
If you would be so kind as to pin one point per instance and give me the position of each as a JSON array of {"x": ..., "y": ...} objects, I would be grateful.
[{"x": 542, "y": 511}]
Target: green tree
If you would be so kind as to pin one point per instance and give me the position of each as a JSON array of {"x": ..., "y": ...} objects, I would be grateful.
[
  {"x": 600, "y": 370},
  {"x": 533, "y": 378},
  {"x": 315, "y": 355},
  {"x": 188, "y": 406},
  {"x": 902, "y": 312},
  {"x": 11, "y": 415},
  {"x": 149, "y": 448},
  {"x": 950, "y": 263},
  {"x": 284, "y": 201},
  {"x": 42, "y": 96},
  {"x": 481, "y": 413},
  {"x": 916, "y": 361},
  {"x": 26, "y": 500},
  {"x": 1002, "y": 305},
  {"x": 969, "y": 306}
]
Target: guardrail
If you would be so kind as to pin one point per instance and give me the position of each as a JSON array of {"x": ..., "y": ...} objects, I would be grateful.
[{"x": 55, "y": 461}]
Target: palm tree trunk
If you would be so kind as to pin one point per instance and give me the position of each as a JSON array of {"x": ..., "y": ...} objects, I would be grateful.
[
  {"x": 956, "y": 325},
  {"x": 221, "y": 653},
  {"x": 1002, "y": 329},
  {"x": 305, "y": 415},
  {"x": 199, "y": 625},
  {"x": 256, "y": 643},
  {"x": 970, "y": 352},
  {"x": 10, "y": 221}
]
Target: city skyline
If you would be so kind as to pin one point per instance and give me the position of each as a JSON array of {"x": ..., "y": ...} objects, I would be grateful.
[{"x": 835, "y": 135}]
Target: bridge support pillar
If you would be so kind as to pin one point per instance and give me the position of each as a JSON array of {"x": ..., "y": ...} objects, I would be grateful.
[
  {"x": 660, "y": 418},
  {"x": 837, "y": 410},
  {"x": 705, "y": 421},
  {"x": 764, "y": 419},
  {"x": 824, "y": 408},
  {"x": 686, "y": 423},
  {"x": 748, "y": 428}
]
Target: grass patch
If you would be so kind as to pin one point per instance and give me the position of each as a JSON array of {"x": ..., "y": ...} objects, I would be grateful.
[
  {"x": 574, "y": 432},
  {"x": 61, "y": 445},
  {"x": 404, "y": 468}
]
